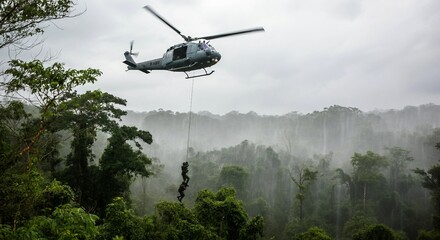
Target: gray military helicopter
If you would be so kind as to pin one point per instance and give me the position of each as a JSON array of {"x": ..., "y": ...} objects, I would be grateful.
[{"x": 183, "y": 57}]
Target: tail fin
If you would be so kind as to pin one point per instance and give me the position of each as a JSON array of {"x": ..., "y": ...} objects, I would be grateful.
[{"x": 129, "y": 60}]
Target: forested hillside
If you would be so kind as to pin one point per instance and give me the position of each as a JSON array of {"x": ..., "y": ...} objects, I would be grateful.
[
  {"x": 337, "y": 129},
  {"x": 264, "y": 157}
]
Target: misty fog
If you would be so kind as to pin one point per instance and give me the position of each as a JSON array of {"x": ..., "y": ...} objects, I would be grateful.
[{"x": 269, "y": 148}]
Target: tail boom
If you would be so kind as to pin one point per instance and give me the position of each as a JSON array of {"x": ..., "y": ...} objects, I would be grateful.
[{"x": 129, "y": 60}]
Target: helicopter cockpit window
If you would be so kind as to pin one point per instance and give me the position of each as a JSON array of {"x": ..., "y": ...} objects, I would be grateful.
[
  {"x": 179, "y": 53},
  {"x": 204, "y": 46}
]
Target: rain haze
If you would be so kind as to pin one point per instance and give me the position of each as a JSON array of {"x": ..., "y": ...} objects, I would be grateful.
[{"x": 313, "y": 54}]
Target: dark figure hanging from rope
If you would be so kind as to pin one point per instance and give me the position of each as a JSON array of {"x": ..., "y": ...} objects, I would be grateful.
[
  {"x": 185, "y": 171},
  {"x": 182, "y": 188},
  {"x": 184, "y": 184}
]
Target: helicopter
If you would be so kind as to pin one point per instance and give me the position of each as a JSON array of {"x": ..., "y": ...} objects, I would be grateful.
[{"x": 183, "y": 57}]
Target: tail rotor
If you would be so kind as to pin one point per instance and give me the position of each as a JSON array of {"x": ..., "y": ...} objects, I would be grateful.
[
  {"x": 128, "y": 59},
  {"x": 131, "y": 50}
]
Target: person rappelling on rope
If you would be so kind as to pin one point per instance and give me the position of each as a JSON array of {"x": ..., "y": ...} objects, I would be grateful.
[
  {"x": 181, "y": 190},
  {"x": 185, "y": 171},
  {"x": 185, "y": 181}
]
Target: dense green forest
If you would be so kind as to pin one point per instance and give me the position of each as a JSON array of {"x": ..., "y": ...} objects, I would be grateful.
[
  {"x": 338, "y": 169},
  {"x": 76, "y": 166}
]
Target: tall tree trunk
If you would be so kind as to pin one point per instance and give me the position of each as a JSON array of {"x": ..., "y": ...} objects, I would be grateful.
[{"x": 365, "y": 193}]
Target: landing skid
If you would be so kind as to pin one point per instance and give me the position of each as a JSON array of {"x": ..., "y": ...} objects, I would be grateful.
[{"x": 201, "y": 75}]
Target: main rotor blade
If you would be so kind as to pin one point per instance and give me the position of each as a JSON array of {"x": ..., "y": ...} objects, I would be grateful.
[
  {"x": 230, "y": 34},
  {"x": 148, "y": 8}
]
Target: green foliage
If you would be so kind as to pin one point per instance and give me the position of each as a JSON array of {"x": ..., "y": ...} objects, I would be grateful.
[
  {"x": 303, "y": 178},
  {"x": 14, "y": 122},
  {"x": 50, "y": 88},
  {"x": 121, "y": 221},
  {"x": 120, "y": 158},
  {"x": 357, "y": 225},
  {"x": 46, "y": 82},
  {"x": 431, "y": 181},
  {"x": 234, "y": 176},
  {"x": 225, "y": 215},
  {"x": 175, "y": 221},
  {"x": 20, "y": 194},
  {"x": 56, "y": 194},
  {"x": 367, "y": 176},
  {"x": 216, "y": 215},
  {"x": 378, "y": 231},
  {"x": 66, "y": 222},
  {"x": 297, "y": 226},
  {"x": 367, "y": 167},
  {"x": 348, "y": 181},
  {"x": 84, "y": 115},
  {"x": 429, "y": 235},
  {"x": 430, "y": 178},
  {"x": 313, "y": 233},
  {"x": 120, "y": 163},
  {"x": 258, "y": 206},
  {"x": 6, "y": 232},
  {"x": 22, "y": 19},
  {"x": 399, "y": 159},
  {"x": 253, "y": 229}
]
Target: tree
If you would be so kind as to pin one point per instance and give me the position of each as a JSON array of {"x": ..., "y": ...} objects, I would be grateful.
[
  {"x": 121, "y": 221},
  {"x": 234, "y": 176},
  {"x": 19, "y": 195},
  {"x": 429, "y": 235},
  {"x": 174, "y": 221},
  {"x": 84, "y": 115},
  {"x": 348, "y": 181},
  {"x": 225, "y": 215},
  {"x": 49, "y": 88},
  {"x": 304, "y": 178},
  {"x": 357, "y": 224},
  {"x": 14, "y": 123},
  {"x": 21, "y": 19},
  {"x": 398, "y": 159},
  {"x": 314, "y": 233},
  {"x": 65, "y": 222},
  {"x": 366, "y": 170},
  {"x": 378, "y": 231},
  {"x": 431, "y": 181},
  {"x": 23, "y": 127},
  {"x": 400, "y": 181},
  {"x": 119, "y": 163}
]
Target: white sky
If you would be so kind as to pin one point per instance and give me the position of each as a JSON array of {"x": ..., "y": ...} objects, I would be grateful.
[{"x": 369, "y": 54}]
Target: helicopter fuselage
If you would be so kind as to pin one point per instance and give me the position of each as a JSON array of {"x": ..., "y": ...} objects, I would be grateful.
[{"x": 182, "y": 57}]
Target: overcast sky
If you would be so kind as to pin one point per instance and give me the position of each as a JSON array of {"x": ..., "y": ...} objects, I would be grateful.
[{"x": 369, "y": 54}]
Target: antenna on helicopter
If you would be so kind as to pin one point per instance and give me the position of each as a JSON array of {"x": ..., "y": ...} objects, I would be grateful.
[{"x": 131, "y": 50}]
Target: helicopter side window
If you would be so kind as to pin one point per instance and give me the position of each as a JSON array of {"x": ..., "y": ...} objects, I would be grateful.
[{"x": 179, "y": 53}]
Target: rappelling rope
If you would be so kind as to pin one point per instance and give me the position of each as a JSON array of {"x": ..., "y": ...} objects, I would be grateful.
[{"x": 189, "y": 122}]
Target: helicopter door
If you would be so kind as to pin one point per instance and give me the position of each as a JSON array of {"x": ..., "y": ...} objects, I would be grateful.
[{"x": 179, "y": 53}]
